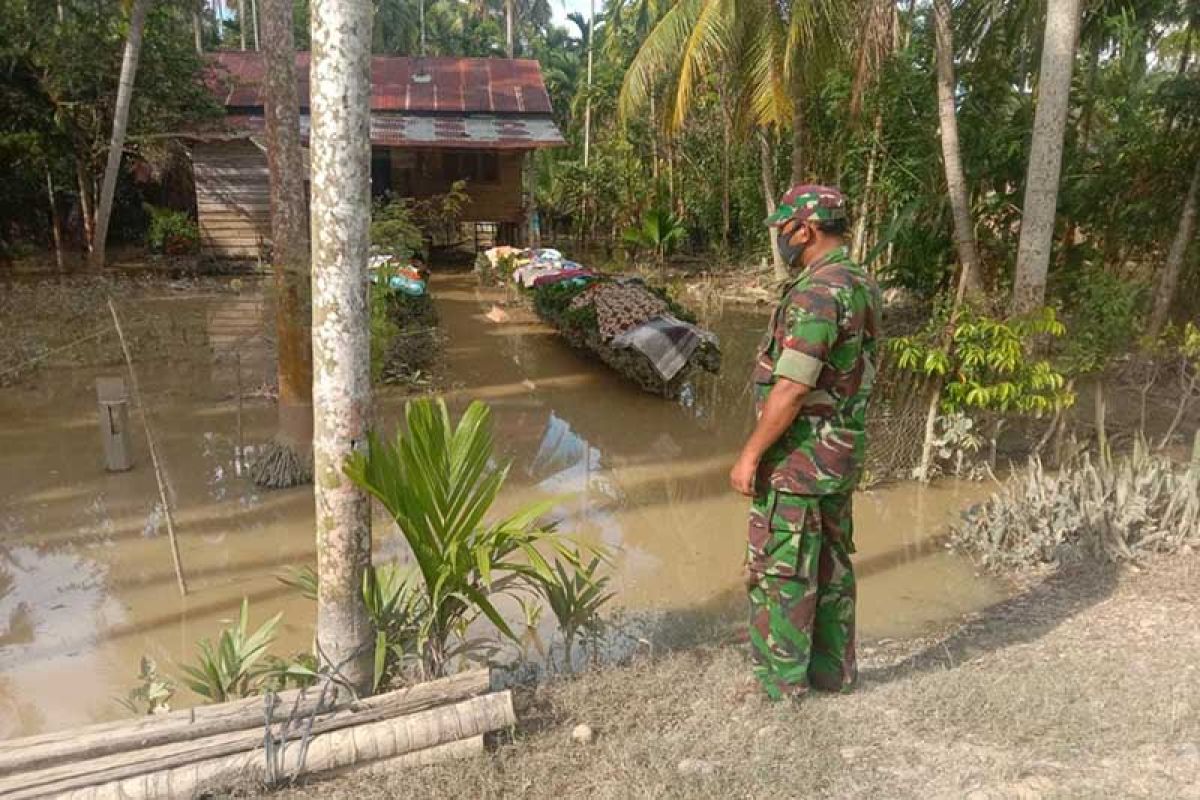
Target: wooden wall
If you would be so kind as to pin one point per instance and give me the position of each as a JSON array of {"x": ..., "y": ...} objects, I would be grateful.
[
  {"x": 420, "y": 173},
  {"x": 232, "y": 198}
]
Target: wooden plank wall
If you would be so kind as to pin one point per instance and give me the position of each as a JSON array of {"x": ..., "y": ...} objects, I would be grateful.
[
  {"x": 498, "y": 201},
  {"x": 232, "y": 198}
]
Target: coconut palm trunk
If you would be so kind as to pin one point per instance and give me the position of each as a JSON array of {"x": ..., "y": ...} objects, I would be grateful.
[
  {"x": 116, "y": 145},
  {"x": 287, "y": 461},
  {"x": 1045, "y": 156},
  {"x": 956, "y": 183},
  {"x": 1168, "y": 281},
  {"x": 341, "y": 158}
]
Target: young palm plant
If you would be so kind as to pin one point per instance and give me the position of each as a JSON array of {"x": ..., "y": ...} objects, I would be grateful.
[
  {"x": 575, "y": 598},
  {"x": 659, "y": 232},
  {"x": 438, "y": 482},
  {"x": 231, "y": 668}
]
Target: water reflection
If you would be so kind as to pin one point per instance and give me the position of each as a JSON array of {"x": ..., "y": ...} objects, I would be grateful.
[{"x": 86, "y": 583}]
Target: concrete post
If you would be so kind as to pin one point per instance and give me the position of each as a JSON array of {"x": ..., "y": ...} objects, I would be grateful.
[{"x": 114, "y": 424}]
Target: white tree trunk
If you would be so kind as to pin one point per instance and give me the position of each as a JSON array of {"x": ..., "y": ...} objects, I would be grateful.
[
  {"x": 587, "y": 108},
  {"x": 129, "y": 65},
  {"x": 1045, "y": 155},
  {"x": 768, "y": 180},
  {"x": 341, "y": 213},
  {"x": 509, "y": 40},
  {"x": 55, "y": 225},
  {"x": 198, "y": 32},
  {"x": 254, "y": 22},
  {"x": 956, "y": 182},
  {"x": 241, "y": 12},
  {"x": 1168, "y": 282},
  {"x": 85, "y": 204}
]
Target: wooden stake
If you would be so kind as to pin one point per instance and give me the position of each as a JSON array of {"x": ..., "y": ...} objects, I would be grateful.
[
  {"x": 240, "y": 447},
  {"x": 158, "y": 475}
]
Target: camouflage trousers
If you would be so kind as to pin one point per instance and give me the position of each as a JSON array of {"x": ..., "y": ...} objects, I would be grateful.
[{"x": 802, "y": 592}]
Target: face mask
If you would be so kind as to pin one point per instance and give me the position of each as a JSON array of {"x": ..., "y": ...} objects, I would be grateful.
[{"x": 790, "y": 252}]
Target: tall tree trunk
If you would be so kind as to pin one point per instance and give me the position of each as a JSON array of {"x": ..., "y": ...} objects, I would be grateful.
[
  {"x": 509, "y": 40},
  {"x": 654, "y": 140},
  {"x": 85, "y": 205},
  {"x": 726, "y": 169},
  {"x": 129, "y": 65},
  {"x": 55, "y": 224},
  {"x": 1082, "y": 140},
  {"x": 197, "y": 31},
  {"x": 799, "y": 170},
  {"x": 288, "y": 460},
  {"x": 341, "y": 159},
  {"x": 241, "y": 12},
  {"x": 1045, "y": 156},
  {"x": 859, "y": 243},
  {"x": 767, "y": 159},
  {"x": 1168, "y": 281},
  {"x": 254, "y": 22},
  {"x": 587, "y": 108},
  {"x": 61, "y": 12},
  {"x": 956, "y": 183}
]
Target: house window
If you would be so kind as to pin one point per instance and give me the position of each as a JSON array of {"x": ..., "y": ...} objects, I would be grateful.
[{"x": 475, "y": 166}]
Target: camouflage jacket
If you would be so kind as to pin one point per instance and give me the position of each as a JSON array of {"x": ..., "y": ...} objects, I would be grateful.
[{"x": 824, "y": 334}]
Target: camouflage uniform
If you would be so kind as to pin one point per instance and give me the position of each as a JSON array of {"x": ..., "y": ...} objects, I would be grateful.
[{"x": 824, "y": 335}]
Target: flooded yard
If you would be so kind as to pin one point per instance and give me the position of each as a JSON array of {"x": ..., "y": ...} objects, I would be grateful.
[{"x": 86, "y": 581}]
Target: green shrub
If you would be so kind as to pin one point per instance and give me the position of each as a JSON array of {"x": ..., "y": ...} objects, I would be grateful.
[
  {"x": 438, "y": 481},
  {"x": 171, "y": 232}
]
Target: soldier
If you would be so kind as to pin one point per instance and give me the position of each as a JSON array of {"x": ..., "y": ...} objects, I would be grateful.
[{"x": 813, "y": 379}]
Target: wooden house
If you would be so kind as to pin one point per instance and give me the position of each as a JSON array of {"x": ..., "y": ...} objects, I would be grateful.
[{"x": 434, "y": 121}]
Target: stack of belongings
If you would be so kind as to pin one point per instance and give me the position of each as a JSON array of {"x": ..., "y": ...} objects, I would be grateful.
[
  {"x": 406, "y": 278},
  {"x": 634, "y": 329}
]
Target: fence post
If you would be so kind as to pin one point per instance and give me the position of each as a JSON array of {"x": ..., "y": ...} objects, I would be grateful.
[{"x": 114, "y": 424}]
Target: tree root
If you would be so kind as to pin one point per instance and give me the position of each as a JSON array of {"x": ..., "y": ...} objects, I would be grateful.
[{"x": 281, "y": 466}]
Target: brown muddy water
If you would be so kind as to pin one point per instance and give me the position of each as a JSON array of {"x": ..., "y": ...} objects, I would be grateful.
[{"x": 86, "y": 583}]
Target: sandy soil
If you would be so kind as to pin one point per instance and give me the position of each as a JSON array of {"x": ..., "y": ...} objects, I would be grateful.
[{"x": 1084, "y": 684}]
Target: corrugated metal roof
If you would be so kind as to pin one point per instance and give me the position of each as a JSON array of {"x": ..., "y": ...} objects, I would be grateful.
[
  {"x": 480, "y": 131},
  {"x": 452, "y": 85}
]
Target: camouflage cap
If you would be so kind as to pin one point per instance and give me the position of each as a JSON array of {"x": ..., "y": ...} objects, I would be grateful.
[{"x": 809, "y": 201}]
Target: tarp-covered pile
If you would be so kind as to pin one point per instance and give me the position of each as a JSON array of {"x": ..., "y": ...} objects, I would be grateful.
[{"x": 636, "y": 329}]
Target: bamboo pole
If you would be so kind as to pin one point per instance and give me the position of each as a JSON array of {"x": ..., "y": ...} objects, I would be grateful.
[
  {"x": 106, "y": 738},
  {"x": 158, "y": 475},
  {"x": 338, "y": 749}
]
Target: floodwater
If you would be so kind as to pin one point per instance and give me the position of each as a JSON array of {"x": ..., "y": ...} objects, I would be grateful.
[{"x": 86, "y": 582}]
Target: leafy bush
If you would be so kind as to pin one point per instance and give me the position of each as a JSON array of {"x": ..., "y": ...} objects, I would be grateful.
[
  {"x": 171, "y": 232},
  {"x": 660, "y": 231},
  {"x": 438, "y": 481},
  {"x": 153, "y": 693},
  {"x": 1112, "y": 512},
  {"x": 231, "y": 668},
  {"x": 989, "y": 364},
  {"x": 393, "y": 231}
]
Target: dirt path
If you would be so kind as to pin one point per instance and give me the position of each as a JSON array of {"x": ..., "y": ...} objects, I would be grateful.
[{"x": 1086, "y": 685}]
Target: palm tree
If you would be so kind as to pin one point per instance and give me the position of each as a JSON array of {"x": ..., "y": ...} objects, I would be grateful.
[
  {"x": 1045, "y": 156},
  {"x": 761, "y": 55},
  {"x": 129, "y": 65},
  {"x": 341, "y": 158},
  {"x": 956, "y": 184},
  {"x": 287, "y": 461}
]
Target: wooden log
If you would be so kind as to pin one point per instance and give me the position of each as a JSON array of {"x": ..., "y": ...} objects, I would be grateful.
[
  {"x": 107, "y": 738},
  {"x": 336, "y": 750},
  {"x": 463, "y": 748}
]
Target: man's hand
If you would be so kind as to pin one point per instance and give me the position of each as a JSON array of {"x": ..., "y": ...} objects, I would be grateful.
[{"x": 744, "y": 475}]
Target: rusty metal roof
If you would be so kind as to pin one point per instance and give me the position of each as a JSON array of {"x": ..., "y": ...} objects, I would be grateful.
[
  {"x": 432, "y": 85},
  {"x": 473, "y": 131}
]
